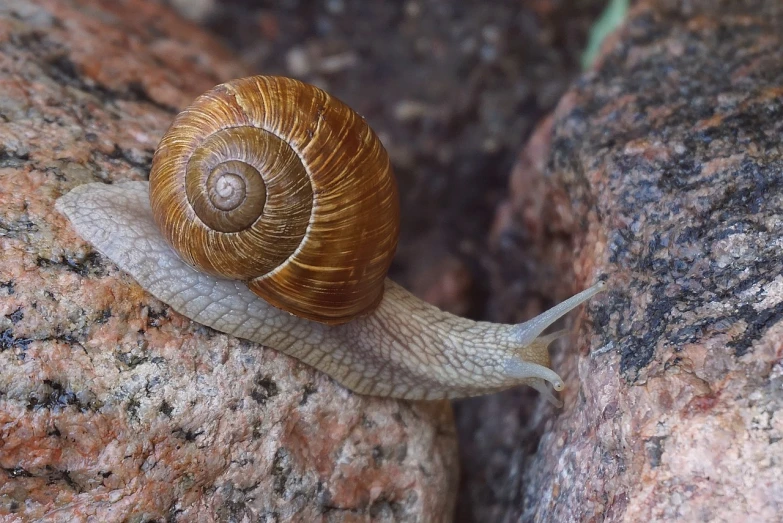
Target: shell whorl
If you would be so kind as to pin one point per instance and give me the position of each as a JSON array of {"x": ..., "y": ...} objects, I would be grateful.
[{"x": 273, "y": 181}]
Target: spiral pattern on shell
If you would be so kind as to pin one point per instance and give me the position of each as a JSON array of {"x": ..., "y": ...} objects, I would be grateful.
[{"x": 274, "y": 182}]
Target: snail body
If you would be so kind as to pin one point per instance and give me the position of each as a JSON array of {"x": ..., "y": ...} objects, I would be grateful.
[{"x": 272, "y": 214}]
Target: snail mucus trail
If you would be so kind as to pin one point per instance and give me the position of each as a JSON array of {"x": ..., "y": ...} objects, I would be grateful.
[{"x": 272, "y": 214}]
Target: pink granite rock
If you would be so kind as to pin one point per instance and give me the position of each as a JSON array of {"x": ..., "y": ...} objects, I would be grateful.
[
  {"x": 671, "y": 153},
  {"x": 112, "y": 406}
]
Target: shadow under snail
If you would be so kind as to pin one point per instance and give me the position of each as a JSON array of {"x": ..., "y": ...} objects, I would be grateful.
[{"x": 282, "y": 208}]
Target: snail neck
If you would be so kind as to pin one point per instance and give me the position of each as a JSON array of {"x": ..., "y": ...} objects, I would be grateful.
[{"x": 410, "y": 349}]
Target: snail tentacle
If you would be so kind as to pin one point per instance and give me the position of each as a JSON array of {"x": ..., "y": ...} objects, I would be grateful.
[{"x": 405, "y": 348}]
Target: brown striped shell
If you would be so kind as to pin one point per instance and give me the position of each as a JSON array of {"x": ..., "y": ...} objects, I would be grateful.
[{"x": 274, "y": 182}]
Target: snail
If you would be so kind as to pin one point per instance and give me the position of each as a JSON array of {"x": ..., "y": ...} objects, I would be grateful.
[{"x": 271, "y": 214}]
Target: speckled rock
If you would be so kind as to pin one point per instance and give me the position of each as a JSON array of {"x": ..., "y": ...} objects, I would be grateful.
[
  {"x": 672, "y": 150},
  {"x": 112, "y": 406}
]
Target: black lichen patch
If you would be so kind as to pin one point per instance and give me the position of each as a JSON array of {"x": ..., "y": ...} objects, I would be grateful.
[
  {"x": 62, "y": 68},
  {"x": 130, "y": 359},
  {"x": 236, "y": 505},
  {"x": 205, "y": 332},
  {"x": 103, "y": 316},
  {"x": 187, "y": 434},
  {"x": 9, "y": 341},
  {"x": 638, "y": 350},
  {"x": 17, "y": 228},
  {"x": 281, "y": 470},
  {"x": 166, "y": 409},
  {"x": 17, "y": 472},
  {"x": 56, "y": 396},
  {"x": 173, "y": 513},
  {"x": 73, "y": 337},
  {"x": 16, "y": 316},
  {"x": 132, "y": 408},
  {"x": 265, "y": 388},
  {"x": 8, "y": 286},
  {"x": 258, "y": 433},
  {"x": 654, "y": 448},
  {"x": 89, "y": 265},
  {"x": 45, "y": 263},
  {"x": 64, "y": 476},
  {"x": 13, "y": 158},
  {"x": 117, "y": 159},
  {"x": 155, "y": 318},
  {"x": 378, "y": 455},
  {"x": 309, "y": 390},
  {"x": 367, "y": 423},
  {"x": 141, "y": 160},
  {"x": 757, "y": 324}
]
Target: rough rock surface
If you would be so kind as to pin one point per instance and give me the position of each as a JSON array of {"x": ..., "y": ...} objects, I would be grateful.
[
  {"x": 112, "y": 406},
  {"x": 672, "y": 151}
]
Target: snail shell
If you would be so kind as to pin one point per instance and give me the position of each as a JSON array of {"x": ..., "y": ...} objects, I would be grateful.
[{"x": 248, "y": 184}]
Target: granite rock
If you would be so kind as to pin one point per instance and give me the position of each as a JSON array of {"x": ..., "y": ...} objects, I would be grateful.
[
  {"x": 671, "y": 153},
  {"x": 112, "y": 406}
]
